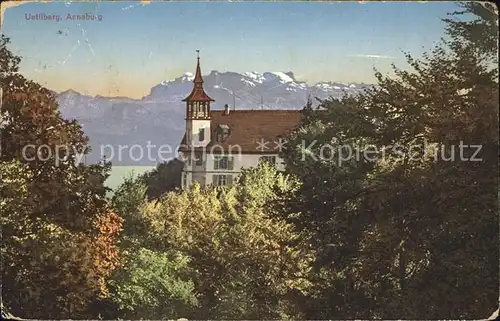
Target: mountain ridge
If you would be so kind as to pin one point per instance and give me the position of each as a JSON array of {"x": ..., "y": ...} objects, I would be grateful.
[
  {"x": 159, "y": 116},
  {"x": 189, "y": 76}
]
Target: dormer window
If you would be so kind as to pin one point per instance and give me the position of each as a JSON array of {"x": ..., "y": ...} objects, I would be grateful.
[{"x": 222, "y": 133}]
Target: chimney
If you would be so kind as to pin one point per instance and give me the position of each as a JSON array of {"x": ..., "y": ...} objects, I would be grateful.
[{"x": 226, "y": 109}]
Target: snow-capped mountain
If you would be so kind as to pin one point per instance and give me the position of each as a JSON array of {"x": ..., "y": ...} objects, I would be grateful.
[
  {"x": 159, "y": 116},
  {"x": 250, "y": 90}
]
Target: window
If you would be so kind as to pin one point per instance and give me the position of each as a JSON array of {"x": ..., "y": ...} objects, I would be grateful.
[
  {"x": 199, "y": 110},
  {"x": 222, "y": 180},
  {"x": 223, "y": 162},
  {"x": 269, "y": 159},
  {"x": 201, "y": 135},
  {"x": 184, "y": 179},
  {"x": 198, "y": 159},
  {"x": 222, "y": 133}
]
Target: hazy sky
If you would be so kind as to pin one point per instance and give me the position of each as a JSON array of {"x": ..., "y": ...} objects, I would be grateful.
[{"x": 136, "y": 46}]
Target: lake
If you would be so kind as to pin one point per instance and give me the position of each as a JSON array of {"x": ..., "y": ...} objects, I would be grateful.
[{"x": 119, "y": 173}]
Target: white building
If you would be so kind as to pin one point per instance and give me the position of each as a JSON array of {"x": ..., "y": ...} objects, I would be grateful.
[{"x": 218, "y": 144}]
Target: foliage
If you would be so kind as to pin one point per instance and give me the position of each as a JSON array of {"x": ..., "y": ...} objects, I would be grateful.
[
  {"x": 359, "y": 226},
  {"x": 58, "y": 232},
  {"x": 149, "y": 287},
  {"x": 481, "y": 31},
  {"x": 242, "y": 262},
  {"x": 404, "y": 232},
  {"x": 164, "y": 178},
  {"x": 152, "y": 283},
  {"x": 129, "y": 200}
]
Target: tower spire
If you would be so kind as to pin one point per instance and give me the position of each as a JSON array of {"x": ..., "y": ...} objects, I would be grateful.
[
  {"x": 197, "y": 77},
  {"x": 198, "y": 93}
]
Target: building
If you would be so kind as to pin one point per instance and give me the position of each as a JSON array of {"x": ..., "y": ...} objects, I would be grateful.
[{"x": 217, "y": 144}]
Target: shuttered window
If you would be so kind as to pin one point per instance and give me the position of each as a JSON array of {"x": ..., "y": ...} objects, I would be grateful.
[
  {"x": 184, "y": 180},
  {"x": 216, "y": 162},
  {"x": 222, "y": 180},
  {"x": 224, "y": 162}
]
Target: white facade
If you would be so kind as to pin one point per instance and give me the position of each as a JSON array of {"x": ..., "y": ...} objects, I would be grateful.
[
  {"x": 206, "y": 169},
  {"x": 197, "y": 132},
  {"x": 212, "y": 168}
]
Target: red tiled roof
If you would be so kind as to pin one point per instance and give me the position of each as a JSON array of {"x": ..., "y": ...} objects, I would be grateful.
[
  {"x": 250, "y": 127},
  {"x": 198, "y": 93}
]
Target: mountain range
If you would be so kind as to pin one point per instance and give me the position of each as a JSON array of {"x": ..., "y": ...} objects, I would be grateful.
[{"x": 158, "y": 118}]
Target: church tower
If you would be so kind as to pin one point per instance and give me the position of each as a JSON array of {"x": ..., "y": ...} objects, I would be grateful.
[{"x": 198, "y": 112}]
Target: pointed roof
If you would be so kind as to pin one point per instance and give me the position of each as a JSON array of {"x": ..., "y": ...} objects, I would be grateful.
[
  {"x": 198, "y": 79},
  {"x": 198, "y": 93}
]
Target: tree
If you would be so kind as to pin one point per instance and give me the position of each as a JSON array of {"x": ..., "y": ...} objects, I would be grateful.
[
  {"x": 242, "y": 262},
  {"x": 481, "y": 32},
  {"x": 153, "y": 285},
  {"x": 58, "y": 232},
  {"x": 404, "y": 232},
  {"x": 164, "y": 178},
  {"x": 153, "y": 282}
]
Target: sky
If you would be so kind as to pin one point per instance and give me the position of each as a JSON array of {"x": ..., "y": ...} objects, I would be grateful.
[{"x": 135, "y": 46}]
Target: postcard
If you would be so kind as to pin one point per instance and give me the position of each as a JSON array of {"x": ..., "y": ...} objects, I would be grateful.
[{"x": 249, "y": 160}]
